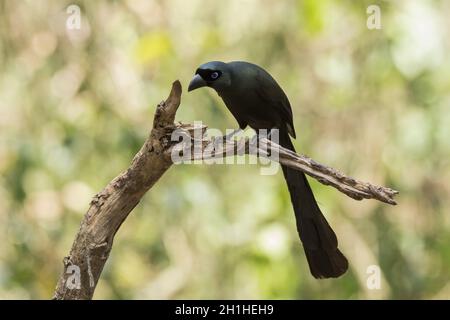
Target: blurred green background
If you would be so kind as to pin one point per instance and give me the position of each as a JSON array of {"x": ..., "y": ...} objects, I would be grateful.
[{"x": 76, "y": 105}]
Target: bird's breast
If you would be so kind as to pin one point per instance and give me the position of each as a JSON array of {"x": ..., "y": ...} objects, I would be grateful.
[{"x": 251, "y": 110}]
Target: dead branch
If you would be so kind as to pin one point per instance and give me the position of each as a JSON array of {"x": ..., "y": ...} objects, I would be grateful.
[
  {"x": 109, "y": 208},
  {"x": 218, "y": 148}
]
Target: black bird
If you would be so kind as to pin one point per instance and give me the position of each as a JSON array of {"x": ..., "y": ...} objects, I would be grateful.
[{"x": 255, "y": 99}]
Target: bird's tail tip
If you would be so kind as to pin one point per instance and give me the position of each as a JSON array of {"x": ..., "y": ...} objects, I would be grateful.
[{"x": 325, "y": 264}]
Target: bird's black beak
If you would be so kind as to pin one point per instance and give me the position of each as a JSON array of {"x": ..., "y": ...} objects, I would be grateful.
[{"x": 196, "y": 82}]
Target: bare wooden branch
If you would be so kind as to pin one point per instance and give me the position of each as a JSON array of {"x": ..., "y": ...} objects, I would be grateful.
[
  {"x": 109, "y": 208},
  {"x": 217, "y": 148}
]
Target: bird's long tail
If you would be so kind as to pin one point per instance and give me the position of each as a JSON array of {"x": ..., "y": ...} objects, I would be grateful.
[{"x": 319, "y": 240}]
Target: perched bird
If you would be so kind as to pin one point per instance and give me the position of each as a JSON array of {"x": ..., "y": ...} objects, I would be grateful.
[{"x": 255, "y": 99}]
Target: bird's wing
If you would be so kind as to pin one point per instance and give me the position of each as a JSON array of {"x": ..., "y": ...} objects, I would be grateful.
[{"x": 270, "y": 91}]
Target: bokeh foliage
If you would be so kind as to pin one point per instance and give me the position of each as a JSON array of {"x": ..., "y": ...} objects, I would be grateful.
[{"x": 75, "y": 106}]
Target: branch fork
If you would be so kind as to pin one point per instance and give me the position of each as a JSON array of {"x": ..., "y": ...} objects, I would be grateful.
[{"x": 110, "y": 207}]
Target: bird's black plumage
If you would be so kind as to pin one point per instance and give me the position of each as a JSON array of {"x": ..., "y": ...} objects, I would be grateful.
[{"x": 255, "y": 99}]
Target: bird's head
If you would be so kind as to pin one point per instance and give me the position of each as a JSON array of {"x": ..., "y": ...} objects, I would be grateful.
[{"x": 214, "y": 74}]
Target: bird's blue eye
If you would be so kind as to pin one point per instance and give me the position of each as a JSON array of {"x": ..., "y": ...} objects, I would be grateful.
[{"x": 214, "y": 75}]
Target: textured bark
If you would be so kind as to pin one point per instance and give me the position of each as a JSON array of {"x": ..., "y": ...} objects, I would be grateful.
[
  {"x": 109, "y": 208},
  {"x": 353, "y": 188}
]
